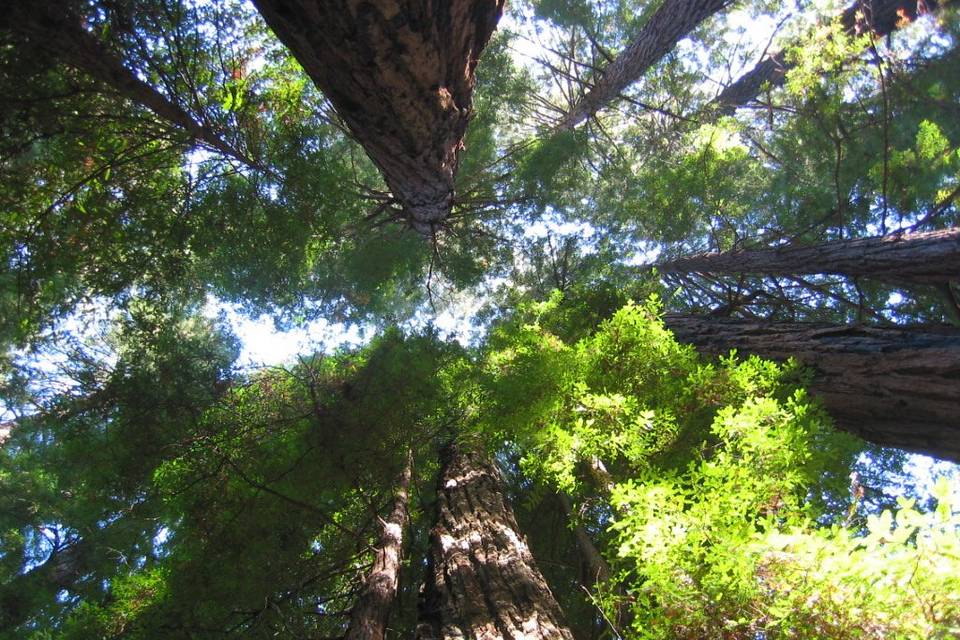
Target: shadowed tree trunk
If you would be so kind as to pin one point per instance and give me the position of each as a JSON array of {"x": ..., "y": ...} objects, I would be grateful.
[
  {"x": 919, "y": 258},
  {"x": 401, "y": 75},
  {"x": 881, "y": 16},
  {"x": 26, "y": 593},
  {"x": 894, "y": 386},
  {"x": 594, "y": 569},
  {"x": 481, "y": 582},
  {"x": 368, "y": 620},
  {"x": 660, "y": 35},
  {"x": 52, "y": 28}
]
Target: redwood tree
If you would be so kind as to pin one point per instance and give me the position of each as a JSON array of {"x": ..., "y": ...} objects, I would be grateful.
[
  {"x": 881, "y": 17},
  {"x": 895, "y": 386},
  {"x": 930, "y": 257},
  {"x": 371, "y": 613},
  {"x": 672, "y": 22},
  {"x": 481, "y": 580},
  {"x": 401, "y": 77}
]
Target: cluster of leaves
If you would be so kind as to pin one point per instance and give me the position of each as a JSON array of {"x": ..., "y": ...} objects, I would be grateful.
[{"x": 715, "y": 487}]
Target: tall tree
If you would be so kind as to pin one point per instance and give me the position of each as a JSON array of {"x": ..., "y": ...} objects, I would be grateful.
[
  {"x": 482, "y": 581},
  {"x": 919, "y": 258},
  {"x": 672, "y": 22},
  {"x": 402, "y": 78},
  {"x": 879, "y": 17},
  {"x": 894, "y": 386},
  {"x": 371, "y": 613}
]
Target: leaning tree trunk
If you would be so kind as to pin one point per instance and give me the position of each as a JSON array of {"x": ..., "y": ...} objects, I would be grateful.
[
  {"x": 881, "y": 16},
  {"x": 57, "y": 32},
  {"x": 401, "y": 75},
  {"x": 670, "y": 24},
  {"x": 369, "y": 617},
  {"x": 482, "y": 582},
  {"x": 914, "y": 258},
  {"x": 894, "y": 386}
]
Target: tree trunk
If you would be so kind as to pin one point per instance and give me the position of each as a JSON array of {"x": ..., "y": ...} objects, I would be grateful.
[
  {"x": 24, "y": 594},
  {"x": 482, "y": 582},
  {"x": 917, "y": 258},
  {"x": 368, "y": 620},
  {"x": 401, "y": 75},
  {"x": 594, "y": 569},
  {"x": 894, "y": 386},
  {"x": 883, "y": 18},
  {"x": 670, "y": 24},
  {"x": 54, "y": 30}
]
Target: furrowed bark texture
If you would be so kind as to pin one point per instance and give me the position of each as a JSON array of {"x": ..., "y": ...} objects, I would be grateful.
[
  {"x": 482, "y": 582},
  {"x": 370, "y": 615},
  {"x": 401, "y": 74},
  {"x": 54, "y": 30},
  {"x": 670, "y": 24},
  {"x": 894, "y": 386},
  {"x": 881, "y": 16},
  {"x": 926, "y": 258}
]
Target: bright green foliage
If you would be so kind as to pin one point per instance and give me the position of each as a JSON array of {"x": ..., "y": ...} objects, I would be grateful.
[
  {"x": 627, "y": 394},
  {"x": 706, "y": 568},
  {"x": 897, "y": 581},
  {"x": 686, "y": 531},
  {"x": 707, "y": 471}
]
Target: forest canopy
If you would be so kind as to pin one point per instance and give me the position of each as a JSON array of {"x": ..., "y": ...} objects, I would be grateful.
[{"x": 659, "y": 302}]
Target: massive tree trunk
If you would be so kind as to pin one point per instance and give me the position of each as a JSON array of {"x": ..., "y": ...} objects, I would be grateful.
[
  {"x": 401, "y": 75},
  {"x": 368, "y": 620},
  {"x": 482, "y": 582},
  {"x": 53, "y": 29},
  {"x": 670, "y": 24},
  {"x": 927, "y": 258},
  {"x": 894, "y": 386},
  {"x": 880, "y": 16}
]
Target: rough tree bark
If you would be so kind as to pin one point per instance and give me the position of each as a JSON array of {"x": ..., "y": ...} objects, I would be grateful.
[
  {"x": 918, "y": 258},
  {"x": 56, "y": 31},
  {"x": 371, "y": 613},
  {"x": 894, "y": 386},
  {"x": 401, "y": 74},
  {"x": 670, "y": 24},
  {"x": 482, "y": 582},
  {"x": 881, "y": 16}
]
